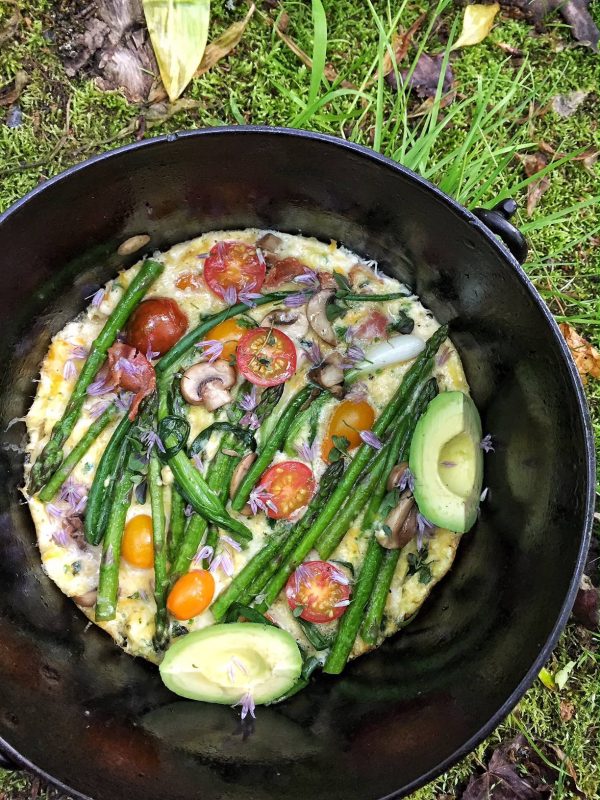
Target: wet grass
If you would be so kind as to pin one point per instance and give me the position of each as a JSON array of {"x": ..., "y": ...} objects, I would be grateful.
[{"x": 264, "y": 83}]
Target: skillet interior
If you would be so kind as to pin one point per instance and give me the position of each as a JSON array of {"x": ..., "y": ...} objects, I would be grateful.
[{"x": 100, "y": 722}]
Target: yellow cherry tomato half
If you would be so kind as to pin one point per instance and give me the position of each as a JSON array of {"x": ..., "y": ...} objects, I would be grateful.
[
  {"x": 348, "y": 419},
  {"x": 229, "y": 332},
  {"x": 192, "y": 594},
  {"x": 137, "y": 547}
]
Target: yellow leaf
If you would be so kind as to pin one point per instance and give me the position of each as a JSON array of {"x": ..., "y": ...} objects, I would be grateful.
[
  {"x": 477, "y": 23},
  {"x": 585, "y": 355},
  {"x": 178, "y": 31},
  {"x": 224, "y": 44}
]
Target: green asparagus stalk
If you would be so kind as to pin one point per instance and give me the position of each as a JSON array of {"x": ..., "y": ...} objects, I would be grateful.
[
  {"x": 98, "y": 504},
  {"x": 51, "y": 456},
  {"x": 304, "y": 418},
  {"x": 273, "y": 444},
  {"x": 177, "y": 521},
  {"x": 161, "y": 579},
  {"x": 76, "y": 454},
  {"x": 350, "y": 622},
  {"x": 108, "y": 583}
]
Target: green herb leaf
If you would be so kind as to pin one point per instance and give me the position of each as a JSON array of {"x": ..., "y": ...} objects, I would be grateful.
[
  {"x": 244, "y": 435},
  {"x": 333, "y": 311},
  {"x": 342, "y": 282},
  {"x": 297, "y": 611},
  {"x": 403, "y": 324},
  {"x": 173, "y": 432}
]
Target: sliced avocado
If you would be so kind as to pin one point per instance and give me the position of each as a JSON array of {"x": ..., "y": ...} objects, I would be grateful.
[
  {"x": 447, "y": 462},
  {"x": 221, "y": 663}
]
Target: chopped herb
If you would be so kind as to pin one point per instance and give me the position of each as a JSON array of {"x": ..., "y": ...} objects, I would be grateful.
[
  {"x": 404, "y": 324},
  {"x": 297, "y": 611},
  {"x": 333, "y": 311},
  {"x": 342, "y": 282},
  {"x": 134, "y": 596},
  {"x": 340, "y": 448},
  {"x": 246, "y": 322},
  {"x": 417, "y": 565}
]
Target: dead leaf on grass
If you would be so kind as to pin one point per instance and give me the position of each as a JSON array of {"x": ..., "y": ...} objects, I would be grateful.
[
  {"x": 478, "y": 21},
  {"x": 11, "y": 25},
  {"x": 585, "y": 355},
  {"x": 10, "y": 93},
  {"x": 567, "y": 710},
  {"x": 401, "y": 43},
  {"x": 514, "y": 52},
  {"x": 565, "y": 105},
  {"x": 425, "y": 77},
  {"x": 533, "y": 163},
  {"x": 586, "y": 609},
  {"x": 502, "y": 781}
]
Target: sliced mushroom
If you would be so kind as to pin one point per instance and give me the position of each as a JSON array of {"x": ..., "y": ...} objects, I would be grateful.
[
  {"x": 240, "y": 472},
  {"x": 329, "y": 374},
  {"x": 316, "y": 311},
  {"x": 207, "y": 384},
  {"x": 86, "y": 600},
  {"x": 399, "y": 524},
  {"x": 133, "y": 244},
  {"x": 396, "y": 475},
  {"x": 291, "y": 321},
  {"x": 269, "y": 242}
]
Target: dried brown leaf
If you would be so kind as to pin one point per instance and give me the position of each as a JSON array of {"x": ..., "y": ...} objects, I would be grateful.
[
  {"x": 510, "y": 50},
  {"x": 567, "y": 710},
  {"x": 586, "y": 609},
  {"x": 532, "y": 164},
  {"x": 10, "y": 93},
  {"x": 11, "y": 25},
  {"x": 585, "y": 355},
  {"x": 401, "y": 43},
  {"x": 502, "y": 781},
  {"x": 425, "y": 76}
]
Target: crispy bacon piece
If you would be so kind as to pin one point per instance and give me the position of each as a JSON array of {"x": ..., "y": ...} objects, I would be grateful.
[
  {"x": 282, "y": 271},
  {"x": 130, "y": 370},
  {"x": 373, "y": 327}
]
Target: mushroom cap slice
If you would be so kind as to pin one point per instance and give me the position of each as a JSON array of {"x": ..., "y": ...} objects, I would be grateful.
[
  {"x": 207, "y": 384},
  {"x": 316, "y": 311},
  {"x": 291, "y": 321}
]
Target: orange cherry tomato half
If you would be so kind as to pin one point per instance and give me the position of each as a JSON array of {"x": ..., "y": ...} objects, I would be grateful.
[
  {"x": 291, "y": 485},
  {"x": 234, "y": 265},
  {"x": 229, "y": 332},
  {"x": 137, "y": 547},
  {"x": 192, "y": 594},
  {"x": 321, "y": 589},
  {"x": 348, "y": 419},
  {"x": 156, "y": 324},
  {"x": 266, "y": 356},
  {"x": 189, "y": 280}
]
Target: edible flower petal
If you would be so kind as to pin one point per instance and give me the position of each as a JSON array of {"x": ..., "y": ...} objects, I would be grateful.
[{"x": 371, "y": 439}]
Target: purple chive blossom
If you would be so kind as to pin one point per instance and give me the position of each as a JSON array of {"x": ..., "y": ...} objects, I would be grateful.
[
  {"x": 448, "y": 463},
  {"x": 96, "y": 298},
  {"x": 151, "y": 439},
  {"x": 211, "y": 349},
  {"x": 296, "y": 300},
  {"x": 309, "y": 279},
  {"x": 224, "y": 562},
  {"x": 358, "y": 392},
  {"x": 78, "y": 352},
  {"x": 261, "y": 501},
  {"x": 144, "y": 597},
  {"x": 72, "y": 492},
  {"x": 230, "y": 296},
  {"x": 261, "y": 257},
  {"x": 247, "y": 703},
  {"x": 371, "y": 439},
  {"x": 249, "y": 401},
  {"x": 250, "y": 420},
  {"x": 407, "y": 481},
  {"x": 302, "y": 575},
  {"x": 350, "y": 333},
  {"x": 425, "y": 530},
  {"x": 69, "y": 370},
  {"x": 486, "y": 444},
  {"x": 205, "y": 553},
  {"x": 128, "y": 367},
  {"x": 231, "y": 542},
  {"x": 341, "y": 603},
  {"x": 55, "y": 511},
  {"x": 203, "y": 255},
  {"x": 443, "y": 357},
  {"x": 485, "y": 494},
  {"x": 151, "y": 354},
  {"x": 340, "y": 577},
  {"x": 100, "y": 407},
  {"x": 99, "y": 387},
  {"x": 313, "y": 353},
  {"x": 61, "y": 538},
  {"x": 123, "y": 401},
  {"x": 188, "y": 510},
  {"x": 306, "y": 451},
  {"x": 198, "y": 463},
  {"x": 355, "y": 354},
  {"x": 248, "y": 297}
]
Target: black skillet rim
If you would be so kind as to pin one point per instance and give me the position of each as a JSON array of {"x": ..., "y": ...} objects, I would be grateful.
[{"x": 576, "y": 387}]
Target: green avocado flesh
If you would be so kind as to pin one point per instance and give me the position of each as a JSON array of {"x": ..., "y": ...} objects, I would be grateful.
[
  {"x": 447, "y": 462},
  {"x": 221, "y": 663}
]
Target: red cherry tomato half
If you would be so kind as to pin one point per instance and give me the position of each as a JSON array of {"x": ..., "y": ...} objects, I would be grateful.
[
  {"x": 266, "y": 356},
  {"x": 291, "y": 485},
  {"x": 321, "y": 589},
  {"x": 234, "y": 265},
  {"x": 156, "y": 325}
]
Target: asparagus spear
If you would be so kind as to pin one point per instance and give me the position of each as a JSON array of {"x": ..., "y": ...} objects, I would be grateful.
[
  {"x": 76, "y": 454},
  {"x": 176, "y": 521},
  {"x": 51, "y": 456},
  {"x": 161, "y": 580}
]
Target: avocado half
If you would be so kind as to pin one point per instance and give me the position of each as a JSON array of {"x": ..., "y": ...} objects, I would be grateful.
[{"x": 447, "y": 462}]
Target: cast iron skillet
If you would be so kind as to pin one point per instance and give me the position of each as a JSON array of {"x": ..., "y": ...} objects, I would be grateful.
[{"x": 99, "y": 723}]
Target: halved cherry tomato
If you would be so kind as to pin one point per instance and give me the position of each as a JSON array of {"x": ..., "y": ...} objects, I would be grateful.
[
  {"x": 137, "y": 547},
  {"x": 321, "y": 589},
  {"x": 284, "y": 270},
  {"x": 373, "y": 327},
  {"x": 291, "y": 484},
  {"x": 348, "y": 419},
  {"x": 156, "y": 324},
  {"x": 229, "y": 332},
  {"x": 266, "y": 356},
  {"x": 234, "y": 265},
  {"x": 191, "y": 594}
]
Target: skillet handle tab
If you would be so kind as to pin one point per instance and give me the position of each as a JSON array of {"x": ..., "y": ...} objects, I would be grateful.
[{"x": 498, "y": 221}]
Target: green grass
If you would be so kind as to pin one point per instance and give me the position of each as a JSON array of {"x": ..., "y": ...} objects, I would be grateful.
[{"x": 468, "y": 149}]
